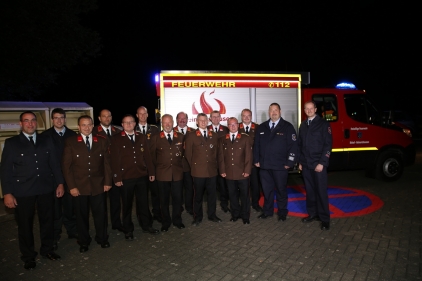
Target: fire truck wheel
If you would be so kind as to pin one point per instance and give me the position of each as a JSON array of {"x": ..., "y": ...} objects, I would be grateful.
[{"x": 389, "y": 166}]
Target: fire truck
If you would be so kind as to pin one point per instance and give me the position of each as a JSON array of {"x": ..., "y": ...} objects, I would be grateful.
[{"x": 362, "y": 137}]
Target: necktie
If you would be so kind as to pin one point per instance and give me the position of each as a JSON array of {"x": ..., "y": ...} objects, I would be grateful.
[
  {"x": 272, "y": 127},
  {"x": 31, "y": 139},
  {"x": 108, "y": 133},
  {"x": 183, "y": 132},
  {"x": 169, "y": 138},
  {"x": 215, "y": 129},
  {"x": 87, "y": 143},
  {"x": 233, "y": 138},
  {"x": 247, "y": 129},
  {"x": 309, "y": 122},
  {"x": 205, "y": 134},
  {"x": 143, "y": 130},
  {"x": 131, "y": 138},
  {"x": 61, "y": 134}
]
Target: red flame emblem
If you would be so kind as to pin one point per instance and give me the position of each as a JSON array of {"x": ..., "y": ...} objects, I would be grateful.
[{"x": 206, "y": 107}]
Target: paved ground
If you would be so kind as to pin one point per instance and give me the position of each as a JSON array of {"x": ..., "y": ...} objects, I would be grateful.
[{"x": 384, "y": 245}]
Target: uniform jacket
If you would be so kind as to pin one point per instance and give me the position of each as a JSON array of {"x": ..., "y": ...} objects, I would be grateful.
[
  {"x": 130, "y": 160},
  {"x": 28, "y": 170},
  {"x": 186, "y": 167},
  {"x": 252, "y": 130},
  {"x": 201, "y": 154},
  {"x": 88, "y": 171},
  {"x": 235, "y": 158},
  {"x": 315, "y": 143},
  {"x": 98, "y": 130},
  {"x": 277, "y": 148},
  {"x": 168, "y": 158},
  {"x": 149, "y": 130},
  {"x": 222, "y": 130}
]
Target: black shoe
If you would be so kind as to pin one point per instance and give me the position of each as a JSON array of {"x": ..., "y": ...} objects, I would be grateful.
[
  {"x": 72, "y": 236},
  {"x": 281, "y": 218},
  {"x": 190, "y": 212},
  {"x": 233, "y": 219},
  {"x": 225, "y": 209},
  {"x": 129, "y": 236},
  {"x": 181, "y": 209},
  {"x": 258, "y": 209},
  {"x": 325, "y": 225},
  {"x": 51, "y": 256},
  {"x": 83, "y": 248},
  {"x": 196, "y": 222},
  {"x": 246, "y": 221},
  {"x": 164, "y": 229},
  {"x": 215, "y": 219},
  {"x": 263, "y": 216},
  {"x": 157, "y": 218},
  {"x": 310, "y": 219},
  {"x": 55, "y": 246},
  {"x": 151, "y": 230},
  {"x": 104, "y": 244},
  {"x": 30, "y": 265},
  {"x": 180, "y": 226},
  {"x": 120, "y": 228}
]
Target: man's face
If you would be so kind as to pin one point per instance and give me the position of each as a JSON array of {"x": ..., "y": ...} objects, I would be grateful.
[
  {"x": 142, "y": 115},
  {"x": 28, "y": 123},
  {"x": 233, "y": 125},
  {"x": 215, "y": 118},
  {"x": 202, "y": 122},
  {"x": 310, "y": 110},
  {"x": 167, "y": 124},
  {"x": 274, "y": 112},
  {"x": 85, "y": 126},
  {"x": 182, "y": 120},
  {"x": 128, "y": 124},
  {"x": 58, "y": 121},
  {"x": 246, "y": 117},
  {"x": 105, "y": 118}
]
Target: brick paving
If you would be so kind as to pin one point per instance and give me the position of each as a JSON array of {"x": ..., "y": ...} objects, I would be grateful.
[{"x": 384, "y": 245}]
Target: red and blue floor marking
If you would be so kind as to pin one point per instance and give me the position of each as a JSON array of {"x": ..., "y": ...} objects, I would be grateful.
[{"x": 343, "y": 202}]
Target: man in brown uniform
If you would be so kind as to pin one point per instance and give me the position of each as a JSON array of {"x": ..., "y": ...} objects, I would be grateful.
[
  {"x": 235, "y": 164},
  {"x": 182, "y": 120},
  {"x": 86, "y": 169},
  {"x": 221, "y": 131},
  {"x": 132, "y": 166},
  {"x": 167, "y": 151},
  {"x": 149, "y": 130},
  {"x": 201, "y": 153},
  {"x": 249, "y": 127},
  {"x": 106, "y": 129}
]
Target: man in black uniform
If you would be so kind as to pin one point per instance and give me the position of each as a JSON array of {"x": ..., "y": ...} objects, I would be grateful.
[
  {"x": 64, "y": 213},
  {"x": 315, "y": 142}
]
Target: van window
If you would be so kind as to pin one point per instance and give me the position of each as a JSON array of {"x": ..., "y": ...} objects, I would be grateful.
[
  {"x": 326, "y": 106},
  {"x": 359, "y": 108}
]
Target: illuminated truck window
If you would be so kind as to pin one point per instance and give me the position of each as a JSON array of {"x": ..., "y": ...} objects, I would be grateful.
[
  {"x": 326, "y": 106},
  {"x": 359, "y": 108}
]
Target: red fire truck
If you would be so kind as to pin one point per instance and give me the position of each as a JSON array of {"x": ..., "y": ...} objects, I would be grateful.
[{"x": 362, "y": 138}]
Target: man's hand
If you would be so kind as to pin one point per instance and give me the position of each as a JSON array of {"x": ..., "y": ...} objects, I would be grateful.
[
  {"x": 245, "y": 175},
  {"x": 257, "y": 164},
  {"x": 319, "y": 168},
  {"x": 10, "y": 201},
  {"x": 119, "y": 183},
  {"x": 300, "y": 167},
  {"x": 151, "y": 178},
  {"x": 223, "y": 175},
  {"x": 74, "y": 192},
  {"x": 107, "y": 188},
  {"x": 60, "y": 190}
]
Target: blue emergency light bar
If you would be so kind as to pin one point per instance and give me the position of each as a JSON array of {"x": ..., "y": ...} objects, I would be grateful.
[{"x": 345, "y": 85}]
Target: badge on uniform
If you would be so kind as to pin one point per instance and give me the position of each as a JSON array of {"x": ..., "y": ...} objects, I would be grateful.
[
  {"x": 294, "y": 137},
  {"x": 211, "y": 145},
  {"x": 329, "y": 130}
]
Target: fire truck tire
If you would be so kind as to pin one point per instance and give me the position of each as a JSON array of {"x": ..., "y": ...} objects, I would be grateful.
[{"x": 389, "y": 166}]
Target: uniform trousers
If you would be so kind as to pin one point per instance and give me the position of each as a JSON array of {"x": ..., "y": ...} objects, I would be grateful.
[
  {"x": 199, "y": 187},
  {"x": 83, "y": 203},
  {"x": 139, "y": 188},
  {"x": 155, "y": 198},
  {"x": 255, "y": 188},
  {"x": 24, "y": 214},
  {"x": 188, "y": 187},
  {"x": 64, "y": 214},
  {"x": 167, "y": 188},
  {"x": 238, "y": 189},
  {"x": 316, "y": 193},
  {"x": 222, "y": 189},
  {"x": 274, "y": 180},
  {"x": 115, "y": 207}
]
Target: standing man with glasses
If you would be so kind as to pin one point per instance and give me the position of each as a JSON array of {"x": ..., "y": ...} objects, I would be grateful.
[
  {"x": 201, "y": 153},
  {"x": 107, "y": 130},
  {"x": 30, "y": 178},
  {"x": 64, "y": 213},
  {"x": 275, "y": 150},
  {"x": 132, "y": 170}
]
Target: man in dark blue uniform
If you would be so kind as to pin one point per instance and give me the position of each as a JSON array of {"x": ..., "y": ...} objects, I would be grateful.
[
  {"x": 315, "y": 142},
  {"x": 275, "y": 150}
]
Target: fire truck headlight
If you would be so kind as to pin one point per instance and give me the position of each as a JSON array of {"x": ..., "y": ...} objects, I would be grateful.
[{"x": 407, "y": 132}]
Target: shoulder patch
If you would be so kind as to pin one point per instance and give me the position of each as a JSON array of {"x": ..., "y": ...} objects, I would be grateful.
[
  {"x": 329, "y": 130},
  {"x": 294, "y": 137}
]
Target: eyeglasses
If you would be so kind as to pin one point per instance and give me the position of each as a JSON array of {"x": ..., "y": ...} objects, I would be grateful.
[
  {"x": 58, "y": 118},
  {"x": 129, "y": 122}
]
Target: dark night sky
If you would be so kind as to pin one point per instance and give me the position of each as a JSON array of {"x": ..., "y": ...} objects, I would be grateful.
[{"x": 362, "y": 42}]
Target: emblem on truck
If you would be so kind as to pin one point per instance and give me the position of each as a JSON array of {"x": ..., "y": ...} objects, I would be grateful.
[{"x": 206, "y": 107}]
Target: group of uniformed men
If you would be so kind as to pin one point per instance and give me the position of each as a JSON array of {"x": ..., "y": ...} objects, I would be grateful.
[{"x": 178, "y": 163}]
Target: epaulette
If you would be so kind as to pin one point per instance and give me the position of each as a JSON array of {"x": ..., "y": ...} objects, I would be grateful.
[
  {"x": 100, "y": 136},
  {"x": 122, "y": 133},
  {"x": 152, "y": 125}
]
